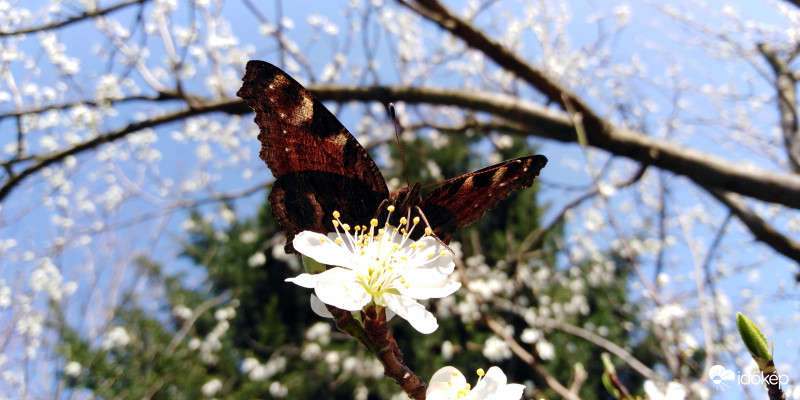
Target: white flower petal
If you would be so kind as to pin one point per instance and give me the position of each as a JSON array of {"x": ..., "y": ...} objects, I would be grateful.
[
  {"x": 444, "y": 383},
  {"x": 491, "y": 382},
  {"x": 413, "y": 312},
  {"x": 511, "y": 391},
  {"x": 494, "y": 386},
  {"x": 322, "y": 249},
  {"x": 304, "y": 280},
  {"x": 340, "y": 289},
  {"x": 319, "y": 307},
  {"x": 428, "y": 246},
  {"x": 676, "y": 391},
  {"x": 432, "y": 288}
]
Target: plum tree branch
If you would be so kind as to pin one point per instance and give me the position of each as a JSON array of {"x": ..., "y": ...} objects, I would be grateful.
[
  {"x": 80, "y": 17},
  {"x": 708, "y": 171},
  {"x": 761, "y": 229},
  {"x": 230, "y": 106},
  {"x": 703, "y": 168},
  {"x": 787, "y": 102}
]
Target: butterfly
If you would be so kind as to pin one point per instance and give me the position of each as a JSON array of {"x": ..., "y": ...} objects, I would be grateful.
[{"x": 319, "y": 167}]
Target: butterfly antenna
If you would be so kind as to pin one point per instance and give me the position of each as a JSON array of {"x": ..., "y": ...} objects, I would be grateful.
[
  {"x": 400, "y": 145},
  {"x": 428, "y": 224}
]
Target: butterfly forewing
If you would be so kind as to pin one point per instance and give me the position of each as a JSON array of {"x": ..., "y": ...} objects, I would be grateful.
[
  {"x": 318, "y": 165},
  {"x": 464, "y": 200}
]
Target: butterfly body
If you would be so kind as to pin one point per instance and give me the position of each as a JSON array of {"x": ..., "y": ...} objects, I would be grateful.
[{"x": 319, "y": 167}]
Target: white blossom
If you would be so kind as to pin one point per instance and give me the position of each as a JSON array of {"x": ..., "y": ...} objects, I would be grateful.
[
  {"x": 72, "y": 369},
  {"x": 116, "y": 337},
  {"x": 256, "y": 260},
  {"x": 496, "y": 349},
  {"x": 448, "y": 383},
  {"x": 674, "y": 391},
  {"x": 384, "y": 267},
  {"x": 211, "y": 387}
]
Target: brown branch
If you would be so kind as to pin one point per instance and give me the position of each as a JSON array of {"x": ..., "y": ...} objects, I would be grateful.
[
  {"x": 83, "y": 16},
  {"x": 703, "y": 168},
  {"x": 600, "y": 133},
  {"x": 162, "y": 96},
  {"x": 600, "y": 341},
  {"x": 230, "y": 106},
  {"x": 529, "y": 359},
  {"x": 761, "y": 229},
  {"x": 772, "y": 380},
  {"x": 787, "y": 103},
  {"x": 376, "y": 339},
  {"x": 596, "y": 127}
]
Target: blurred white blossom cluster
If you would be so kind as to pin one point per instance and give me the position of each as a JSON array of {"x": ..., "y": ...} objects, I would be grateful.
[{"x": 212, "y": 342}]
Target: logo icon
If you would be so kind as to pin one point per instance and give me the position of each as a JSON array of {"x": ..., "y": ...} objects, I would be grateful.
[{"x": 719, "y": 375}]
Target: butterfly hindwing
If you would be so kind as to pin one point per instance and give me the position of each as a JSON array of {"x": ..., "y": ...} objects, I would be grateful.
[
  {"x": 464, "y": 200},
  {"x": 318, "y": 165}
]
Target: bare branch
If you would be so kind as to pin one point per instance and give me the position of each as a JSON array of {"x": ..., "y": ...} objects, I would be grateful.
[
  {"x": 761, "y": 229},
  {"x": 705, "y": 169},
  {"x": 72, "y": 20},
  {"x": 162, "y": 96},
  {"x": 229, "y": 106},
  {"x": 787, "y": 103},
  {"x": 528, "y": 358},
  {"x": 600, "y": 341}
]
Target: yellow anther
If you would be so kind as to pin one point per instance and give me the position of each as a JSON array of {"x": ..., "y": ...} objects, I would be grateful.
[
  {"x": 430, "y": 256},
  {"x": 390, "y": 208},
  {"x": 335, "y": 223},
  {"x": 336, "y": 214},
  {"x": 346, "y": 227},
  {"x": 403, "y": 221},
  {"x": 357, "y": 228},
  {"x": 480, "y": 372},
  {"x": 322, "y": 240},
  {"x": 416, "y": 220},
  {"x": 420, "y": 245},
  {"x": 373, "y": 222},
  {"x": 443, "y": 253},
  {"x": 428, "y": 231}
]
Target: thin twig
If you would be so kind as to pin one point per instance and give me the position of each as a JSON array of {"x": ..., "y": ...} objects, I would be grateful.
[{"x": 72, "y": 20}]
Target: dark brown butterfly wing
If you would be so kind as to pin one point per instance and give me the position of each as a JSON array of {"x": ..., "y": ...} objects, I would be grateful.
[
  {"x": 318, "y": 165},
  {"x": 464, "y": 200}
]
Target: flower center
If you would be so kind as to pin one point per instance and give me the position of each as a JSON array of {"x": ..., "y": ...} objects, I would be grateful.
[{"x": 380, "y": 254}]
